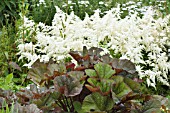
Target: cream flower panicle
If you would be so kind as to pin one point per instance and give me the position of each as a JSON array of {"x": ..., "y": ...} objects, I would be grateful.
[{"x": 131, "y": 36}]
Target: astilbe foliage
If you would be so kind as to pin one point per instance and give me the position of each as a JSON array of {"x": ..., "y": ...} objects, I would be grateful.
[{"x": 98, "y": 83}]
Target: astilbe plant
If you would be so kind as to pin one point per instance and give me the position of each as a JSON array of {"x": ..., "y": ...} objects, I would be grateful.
[
  {"x": 98, "y": 83},
  {"x": 145, "y": 46}
]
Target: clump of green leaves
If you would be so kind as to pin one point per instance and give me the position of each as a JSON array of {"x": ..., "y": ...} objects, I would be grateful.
[
  {"x": 8, "y": 8},
  {"x": 12, "y": 76},
  {"x": 6, "y": 83},
  {"x": 9, "y": 61},
  {"x": 98, "y": 83},
  {"x": 42, "y": 12}
]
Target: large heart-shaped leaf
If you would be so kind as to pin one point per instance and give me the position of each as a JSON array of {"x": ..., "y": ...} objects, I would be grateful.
[
  {"x": 117, "y": 79},
  {"x": 165, "y": 101},
  {"x": 135, "y": 86},
  {"x": 94, "y": 51},
  {"x": 32, "y": 108},
  {"x": 87, "y": 57},
  {"x": 81, "y": 57},
  {"x": 36, "y": 73},
  {"x": 123, "y": 89},
  {"x": 97, "y": 102},
  {"x": 120, "y": 88},
  {"x": 124, "y": 64},
  {"x": 67, "y": 85},
  {"x": 100, "y": 78},
  {"x": 103, "y": 86},
  {"x": 107, "y": 59},
  {"x": 38, "y": 96},
  {"x": 79, "y": 75},
  {"x": 44, "y": 72},
  {"x": 91, "y": 73},
  {"x": 152, "y": 106},
  {"x": 103, "y": 70}
]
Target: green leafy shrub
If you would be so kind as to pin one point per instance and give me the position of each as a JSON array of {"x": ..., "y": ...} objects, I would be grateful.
[
  {"x": 42, "y": 11},
  {"x": 9, "y": 60},
  {"x": 10, "y": 66},
  {"x": 8, "y": 8},
  {"x": 98, "y": 83},
  {"x": 45, "y": 11}
]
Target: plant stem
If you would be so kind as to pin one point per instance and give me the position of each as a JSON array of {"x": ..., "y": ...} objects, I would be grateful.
[
  {"x": 64, "y": 101},
  {"x": 67, "y": 103},
  {"x": 63, "y": 106},
  {"x": 58, "y": 103},
  {"x": 46, "y": 100},
  {"x": 72, "y": 108}
]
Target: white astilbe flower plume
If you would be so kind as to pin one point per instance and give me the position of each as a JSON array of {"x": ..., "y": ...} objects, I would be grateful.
[{"x": 131, "y": 36}]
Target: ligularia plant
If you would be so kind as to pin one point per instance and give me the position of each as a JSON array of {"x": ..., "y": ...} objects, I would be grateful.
[{"x": 139, "y": 39}]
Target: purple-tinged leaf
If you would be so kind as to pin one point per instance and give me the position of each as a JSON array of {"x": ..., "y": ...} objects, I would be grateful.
[
  {"x": 79, "y": 75},
  {"x": 124, "y": 64},
  {"x": 15, "y": 65},
  {"x": 42, "y": 73},
  {"x": 31, "y": 108},
  {"x": 67, "y": 85}
]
